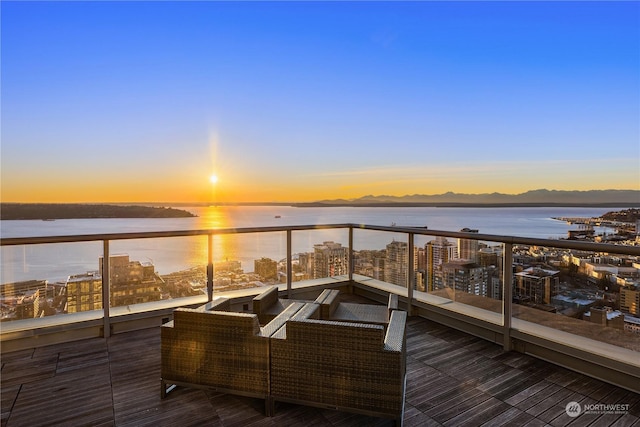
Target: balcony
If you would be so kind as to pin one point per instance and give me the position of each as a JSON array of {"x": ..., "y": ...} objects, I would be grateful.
[{"x": 474, "y": 357}]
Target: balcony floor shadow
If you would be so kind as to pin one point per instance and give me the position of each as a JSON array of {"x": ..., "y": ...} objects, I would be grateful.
[{"x": 453, "y": 379}]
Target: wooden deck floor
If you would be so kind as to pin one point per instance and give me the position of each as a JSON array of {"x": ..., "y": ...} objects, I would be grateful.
[{"x": 454, "y": 379}]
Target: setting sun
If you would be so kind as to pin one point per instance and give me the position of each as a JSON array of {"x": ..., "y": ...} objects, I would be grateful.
[{"x": 213, "y": 178}]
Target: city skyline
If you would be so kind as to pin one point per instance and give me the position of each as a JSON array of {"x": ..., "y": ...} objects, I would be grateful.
[{"x": 305, "y": 101}]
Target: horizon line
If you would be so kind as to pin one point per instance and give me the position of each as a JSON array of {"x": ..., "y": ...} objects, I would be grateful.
[{"x": 357, "y": 200}]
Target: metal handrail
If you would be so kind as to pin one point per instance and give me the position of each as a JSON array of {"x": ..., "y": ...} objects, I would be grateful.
[
  {"x": 13, "y": 241},
  {"x": 514, "y": 240}
]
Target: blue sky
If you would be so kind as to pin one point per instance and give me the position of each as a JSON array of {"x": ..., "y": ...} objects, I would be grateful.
[{"x": 300, "y": 101}]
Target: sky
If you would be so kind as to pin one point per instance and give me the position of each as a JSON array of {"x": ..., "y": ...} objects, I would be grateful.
[{"x": 305, "y": 101}]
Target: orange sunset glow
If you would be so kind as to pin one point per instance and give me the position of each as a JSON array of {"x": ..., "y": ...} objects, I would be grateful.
[
  {"x": 277, "y": 108},
  {"x": 257, "y": 187}
]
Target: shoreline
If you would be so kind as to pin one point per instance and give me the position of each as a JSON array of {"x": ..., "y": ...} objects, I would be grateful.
[
  {"x": 59, "y": 211},
  {"x": 54, "y": 211}
]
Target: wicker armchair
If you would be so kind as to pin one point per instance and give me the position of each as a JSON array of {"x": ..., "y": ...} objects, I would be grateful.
[
  {"x": 268, "y": 305},
  {"x": 224, "y": 351},
  {"x": 354, "y": 367}
]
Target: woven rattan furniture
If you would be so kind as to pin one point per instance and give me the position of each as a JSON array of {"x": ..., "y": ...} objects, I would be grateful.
[
  {"x": 328, "y": 300},
  {"x": 355, "y": 367},
  {"x": 268, "y": 305},
  {"x": 218, "y": 303},
  {"x": 219, "y": 350},
  {"x": 332, "y": 309}
]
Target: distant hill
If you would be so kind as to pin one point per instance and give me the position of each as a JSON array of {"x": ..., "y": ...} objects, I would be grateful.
[
  {"x": 627, "y": 215},
  {"x": 620, "y": 198},
  {"x": 49, "y": 211}
]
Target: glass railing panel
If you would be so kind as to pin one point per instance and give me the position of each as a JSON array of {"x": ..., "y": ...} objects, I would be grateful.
[
  {"x": 586, "y": 294},
  {"x": 460, "y": 274},
  {"x": 157, "y": 269},
  {"x": 319, "y": 254},
  {"x": 247, "y": 261},
  {"x": 48, "y": 281},
  {"x": 382, "y": 256}
]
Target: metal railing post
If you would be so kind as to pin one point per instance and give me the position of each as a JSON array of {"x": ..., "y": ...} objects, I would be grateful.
[
  {"x": 411, "y": 275},
  {"x": 289, "y": 263},
  {"x": 210, "y": 268},
  {"x": 507, "y": 295},
  {"x": 351, "y": 257},
  {"x": 106, "y": 292}
]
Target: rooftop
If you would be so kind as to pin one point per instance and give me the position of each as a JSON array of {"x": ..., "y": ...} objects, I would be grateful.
[
  {"x": 453, "y": 378},
  {"x": 519, "y": 366}
]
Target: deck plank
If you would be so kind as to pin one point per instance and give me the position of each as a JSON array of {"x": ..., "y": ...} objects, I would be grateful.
[
  {"x": 452, "y": 379},
  {"x": 460, "y": 405},
  {"x": 505, "y": 418},
  {"x": 479, "y": 414},
  {"x": 517, "y": 385},
  {"x": 627, "y": 420}
]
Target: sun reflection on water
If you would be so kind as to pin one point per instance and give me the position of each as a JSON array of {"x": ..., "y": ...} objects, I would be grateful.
[
  {"x": 214, "y": 217},
  {"x": 224, "y": 246}
]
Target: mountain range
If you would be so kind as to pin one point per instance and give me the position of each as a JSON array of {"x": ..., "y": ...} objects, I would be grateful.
[{"x": 542, "y": 197}]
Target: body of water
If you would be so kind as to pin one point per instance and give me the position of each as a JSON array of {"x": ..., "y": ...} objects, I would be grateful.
[{"x": 55, "y": 262}]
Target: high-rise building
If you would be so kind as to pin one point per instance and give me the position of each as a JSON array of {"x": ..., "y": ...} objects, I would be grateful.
[
  {"x": 630, "y": 300},
  {"x": 20, "y": 288},
  {"x": 468, "y": 248},
  {"x": 420, "y": 281},
  {"x": 396, "y": 264},
  {"x": 266, "y": 268},
  {"x": 465, "y": 276},
  {"x": 303, "y": 270},
  {"x": 421, "y": 259},
  {"x": 437, "y": 252},
  {"x": 132, "y": 282},
  {"x": 21, "y": 300},
  {"x": 28, "y": 305},
  {"x": 490, "y": 258},
  {"x": 421, "y": 268},
  {"x": 537, "y": 285},
  {"x": 84, "y": 292},
  {"x": 378, "y": 268},
  {"x": 494, "y": 283},
  {"x": 330, "y": 259}
]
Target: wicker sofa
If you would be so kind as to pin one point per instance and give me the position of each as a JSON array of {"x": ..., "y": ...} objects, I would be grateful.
[
  {"x": 332, "y": 309},
  {"x": 268, "y": 305},
  {"x": 296, "y": 357},
  {"x": 355, "y": 367},
  {"x": 220, "y": 350}
]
